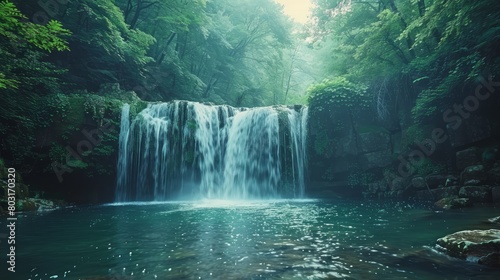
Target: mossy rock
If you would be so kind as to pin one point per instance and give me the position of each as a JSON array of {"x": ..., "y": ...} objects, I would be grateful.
[
  {"x": 481, "y": 246},
  {"x": 453, "y": 202}
]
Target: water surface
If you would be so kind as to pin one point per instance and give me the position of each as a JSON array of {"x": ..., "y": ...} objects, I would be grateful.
[{"x": 299, "y": 239}]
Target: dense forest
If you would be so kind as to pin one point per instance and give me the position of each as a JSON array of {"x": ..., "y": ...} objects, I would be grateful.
[
  {"x": 410, "y": 84},
  {"x": 397, "y": 68},
  {"x": 249, "y": 56}
]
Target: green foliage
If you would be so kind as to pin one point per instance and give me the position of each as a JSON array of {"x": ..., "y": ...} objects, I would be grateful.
[
  {"x": 411, "y": 134},
  {"x": 51, "y": 109},
  {"x": 338, "y": 93},
  {"x": 46, "y": 37},
  {"x": 22, "y": 47},
  {"x": 7, "y": 83},
  {"x": 106, "y": 49},
  {"x": 13, "y": 26},
  {"x": 95, "y": 106},
  {"x": 428, "y": 50},
  {"x": 427, "y": 104}
]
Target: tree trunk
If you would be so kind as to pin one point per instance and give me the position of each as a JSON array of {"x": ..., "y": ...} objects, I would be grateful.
[
  {"x": 137, "y": 13},
  {"x": 409, "y": 40}
]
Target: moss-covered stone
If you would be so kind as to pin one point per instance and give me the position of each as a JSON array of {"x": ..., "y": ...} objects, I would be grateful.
[
  {"x": 453, "y": 202},
  {"x": 476, "y": 193}
]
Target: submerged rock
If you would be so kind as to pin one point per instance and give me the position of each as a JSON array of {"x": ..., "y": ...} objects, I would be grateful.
[
  {"x": 453, "y": 202},
  {"x": 481, "y": 246}
]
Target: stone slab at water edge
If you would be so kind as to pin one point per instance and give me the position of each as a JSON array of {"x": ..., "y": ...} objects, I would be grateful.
[{"x": 481, "y": 246}]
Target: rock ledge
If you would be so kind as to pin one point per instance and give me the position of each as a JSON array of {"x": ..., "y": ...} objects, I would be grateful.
[{"x": 481, "y": 246}]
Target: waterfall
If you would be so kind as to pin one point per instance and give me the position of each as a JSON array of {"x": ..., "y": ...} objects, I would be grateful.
[
  {"x": 298, "y": 129},
  {"x": 252, "y": 167},
  {"x": 122, "y": 152},
  {"x": 182, "y": 149}
]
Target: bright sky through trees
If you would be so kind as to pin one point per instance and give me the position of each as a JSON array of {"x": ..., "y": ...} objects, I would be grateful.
[{"x": 298, "y": 10}]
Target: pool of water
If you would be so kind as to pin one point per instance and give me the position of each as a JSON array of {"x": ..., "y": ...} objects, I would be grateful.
[{"x": 284, "y": 239}]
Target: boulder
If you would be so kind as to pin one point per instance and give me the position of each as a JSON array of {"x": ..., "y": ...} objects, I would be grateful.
[
  {"x": 472, "y": 183},
  {"x": 490, "y": 155},
  {"x": 418, "y": 183},
  {"x": 35, "y": 204},
  {"x": 481, "y": 246},
  {"x": 453, "y": 202},
  {"x": 476, "y": 193},
  {"x": 378, "y": 159},
  {"x": 467, "y": 158},
  {"x": 473, "y": 129},
  {"x": 379, "y": 186},
  {"x": 474, "y": 172},
  {"x": 495, "y": 220},
  {"x": 494, "y": 175},
  {"x": 398, "y": 184},
  {"x": 451, "y": 181},
  {"x": 374, "y": 141},
  {"x": 346, "y": 146},
  {"x": 435, "y": 181},
  {"x": 436, "y": 194}
]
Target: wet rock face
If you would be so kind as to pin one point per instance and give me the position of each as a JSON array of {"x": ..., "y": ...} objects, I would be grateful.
[
  {"x": 474, "y": 173},
  {"x": 476, "y": 193},
  {"x": 418, "y": 183},
  {"x": 436, "y": 194},
  {"x": 494, "y": 175},
  {"x": 481, "y": 246},
  {"x": 467, "y": 158},
  {"x": 436, "y": 181}
]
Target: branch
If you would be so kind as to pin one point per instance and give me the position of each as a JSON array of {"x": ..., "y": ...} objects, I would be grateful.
[{"x": 148, "y": 5}]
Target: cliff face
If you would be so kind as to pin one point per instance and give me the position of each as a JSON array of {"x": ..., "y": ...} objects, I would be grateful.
[
  {"x": 354, "y": 153},
  {"x": 65, "y": 146}
]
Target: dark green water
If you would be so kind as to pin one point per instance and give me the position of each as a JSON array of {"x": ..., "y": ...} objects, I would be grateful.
[{"x": 305, "y": 239}]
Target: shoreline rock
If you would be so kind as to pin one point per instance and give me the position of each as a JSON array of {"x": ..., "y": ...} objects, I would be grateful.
[
  {"x": 479, "y": 246},
  {"x": 453, "y": 202}
]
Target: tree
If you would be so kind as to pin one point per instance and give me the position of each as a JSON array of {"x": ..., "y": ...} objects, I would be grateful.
[
  {"x": 418, "y": 51},
  {"x": 21, "y": 40},
  {"x": 104, "y": 48}
]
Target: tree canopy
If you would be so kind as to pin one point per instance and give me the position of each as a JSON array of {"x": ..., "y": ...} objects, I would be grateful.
[
  {"x": 416, "y": 55},
  {"x": 238, "y": 52}
]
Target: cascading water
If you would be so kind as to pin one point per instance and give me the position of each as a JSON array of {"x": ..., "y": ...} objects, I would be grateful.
[
  {"x": 186, "y": 149},
  {"x": 122, "y": 151},
  {"x": 298, "y": 132}
]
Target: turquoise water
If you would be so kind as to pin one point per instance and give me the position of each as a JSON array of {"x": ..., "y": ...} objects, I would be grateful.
[{"x": 298, "y": 239}]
